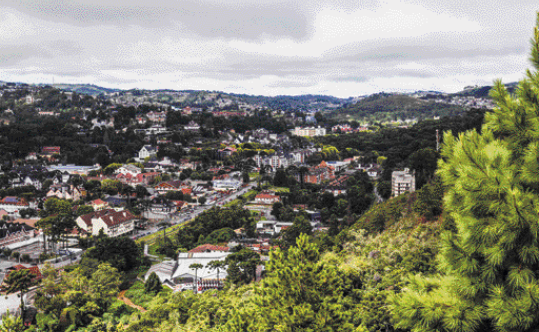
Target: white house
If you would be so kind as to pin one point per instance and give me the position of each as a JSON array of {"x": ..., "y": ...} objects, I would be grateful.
[
  {"x": 179, "y": 272},
  {"x": 129, "y": 169},
  {"x": 266, "y": 198},
  {"x": 114, "y": 223},
  {"x": 147, "y": 151}
]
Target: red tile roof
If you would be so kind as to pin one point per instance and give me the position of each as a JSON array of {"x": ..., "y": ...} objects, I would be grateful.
[
  {"x": 33, "y": 269},
  {"x": 87, "y": 218},
  {"x": 209, "y": 247},
  {"x": 117, "y": 218}
]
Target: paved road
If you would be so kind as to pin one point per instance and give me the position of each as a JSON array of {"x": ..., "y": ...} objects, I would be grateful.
[{"x": 182, "y": 217}]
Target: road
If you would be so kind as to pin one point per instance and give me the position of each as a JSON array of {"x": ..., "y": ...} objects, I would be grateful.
[{"x": 192, "y": 213}]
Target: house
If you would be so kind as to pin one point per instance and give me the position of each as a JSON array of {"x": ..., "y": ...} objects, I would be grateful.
[
  {"x": 209, "y": 248},
  {"x": 129, "y": 169},
  {"x": 147, "y": 151},
  {"x": 266, "y": 198},
  {"x": 338, "y": 186},
  {"x": 31, "y": 156},
  {"x": 13, "y": 232},
  {"x": 402, "y": 181},
  {"x": 192, "y": 126},
  {"x": 162, "y": 205},
  {"x": 167, "y": 186},
  {"x": 320, "y": 173},
  {"x": 178, "y": 273},
  {"x": 98, "y": 204},
  {"x": 66, "y": 192},
  {"x": 12, "y": 205},
  {"x": 113, "y": 223},
  {"x": 226, "y": 152},
  {"x": 50, "y": 150},
  {"x": 146, "y": 178}
]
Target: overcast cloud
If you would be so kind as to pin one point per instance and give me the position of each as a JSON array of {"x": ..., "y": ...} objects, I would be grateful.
[{"x": 342, "y": 48}]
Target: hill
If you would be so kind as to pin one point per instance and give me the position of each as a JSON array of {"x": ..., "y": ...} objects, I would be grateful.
[
  {"x": 87, "y": 89},
  {"x": 391, "y": 107}
]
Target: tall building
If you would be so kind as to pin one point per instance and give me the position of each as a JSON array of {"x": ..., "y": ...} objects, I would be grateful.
[{"x": 402, "y": 181}]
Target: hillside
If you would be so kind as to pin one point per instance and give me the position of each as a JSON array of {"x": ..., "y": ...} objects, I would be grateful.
[
  {"x": 391, "y": 107},
  {"x": 87, "y": 89}
]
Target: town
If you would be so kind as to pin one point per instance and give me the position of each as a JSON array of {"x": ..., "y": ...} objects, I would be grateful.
[{"x": 180, "y": 195}]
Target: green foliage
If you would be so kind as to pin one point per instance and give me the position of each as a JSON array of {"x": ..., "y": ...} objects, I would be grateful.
[
  {"x": 388, "y": 107},
  {"x": 152, "y": 284},
  {"x": 211, "y": 220},
  {"x": 138, "y": 295},
  {"x": 73, "y": 299},
  {"x": 300, "y": 226},
  {"x": 122, "y": 252},
  {"x": 10, "y": 323},
  {"x": 489, "y": 264},
  {"x": 242, "y": 266},
  {"x": 84, "y": 209}
]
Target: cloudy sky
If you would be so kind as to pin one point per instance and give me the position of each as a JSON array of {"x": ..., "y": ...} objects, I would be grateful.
[{"x": 335, "y": 47}]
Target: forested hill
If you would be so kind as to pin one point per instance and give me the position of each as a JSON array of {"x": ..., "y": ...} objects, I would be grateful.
[
  {"x": 390, "y": 107},
  {"x": 211, "y": 98}
]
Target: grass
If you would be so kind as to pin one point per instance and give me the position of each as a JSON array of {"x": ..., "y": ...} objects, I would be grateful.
[
  {"x": 280, "y": 189},
  {"x": 152, "y": 238},
  {"x": 247, "y": 197},
  {"x": 139, "y": 297}
]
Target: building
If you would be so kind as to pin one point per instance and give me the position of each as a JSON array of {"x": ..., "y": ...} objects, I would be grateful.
[
  {"x": 178, "y": 273},
  {"x": 73, "y": 169},
  {"x": 147, "y": 151},
  {"x": 12, "y": 205},
  {"x": 402, "y": 181},
  {"x": 320, "y": 173},
  {"x": 173, "y": 185},
  {"x": 226, "y": 184},
  {"x": 113, "y": 223},
  {"x": 309, "y": 131},
  {"x": 192, "y": 126},
  {"x": 266, "y": 198},
  {"x": 50, "y": 150},
  {"x": 209, "y": 248},
  {"x": 129, "y": 169}
]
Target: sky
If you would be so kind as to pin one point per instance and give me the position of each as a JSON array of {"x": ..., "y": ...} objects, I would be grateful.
[{"x": 341, "y": 48}]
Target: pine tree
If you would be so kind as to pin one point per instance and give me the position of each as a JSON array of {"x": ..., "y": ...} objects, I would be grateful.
[
  {"x": 153, "y": 284},
  {"x": 491, "y": 263}
]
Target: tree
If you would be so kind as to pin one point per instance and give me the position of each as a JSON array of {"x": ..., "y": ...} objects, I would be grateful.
[
  {"x": 153, "y": 284},
  {"x": 201, "y": 200},
  {"x": 19, "y": 281},
  {"x": 122, "y": 253},
  {"x": 10, "y": 323},
  {"x": 242, "y": 266},
  {"x": 490, "y": 262},
  {"x": 309, "y": 291},
  {"x": 300, "y": 226},
  {"x": 196, "y": 267},
  {"x": 84, "y": 209},
  {"x": 245, "y": 177},
  {"x": 280, "y": 179},
  {"x": 276, "y": 209},
  {"x": 217, "y": 265}
]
